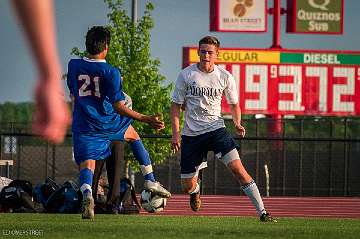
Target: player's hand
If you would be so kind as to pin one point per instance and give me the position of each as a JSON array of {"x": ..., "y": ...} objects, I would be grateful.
[
  {"x": 175, "y": 143},
  {"x": 156, "y": 122},
  {"x": 51, "y": 117},
  {"x": 240, "y": 130}
]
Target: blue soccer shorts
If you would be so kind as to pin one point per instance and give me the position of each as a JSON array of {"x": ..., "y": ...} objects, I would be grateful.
[
  {"x": 95, "y": 146},
  {"x": 194, "y": 150}
]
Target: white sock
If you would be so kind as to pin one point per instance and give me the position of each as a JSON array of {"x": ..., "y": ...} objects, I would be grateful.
[
  {"x": 85, "y": 188},
  {"x": 197, "y": 189},
  {"x": 251, "y": 190}
]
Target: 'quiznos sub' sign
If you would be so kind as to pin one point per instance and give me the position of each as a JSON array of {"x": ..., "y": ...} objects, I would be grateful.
[
  {"x": 300, "y": 82},
  {"x": 315, "y": 16}
]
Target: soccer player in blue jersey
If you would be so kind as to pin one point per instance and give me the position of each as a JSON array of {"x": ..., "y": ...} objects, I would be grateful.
[
  {"x": 101, "y": 117},
  {"x": 199, "y": 89}
]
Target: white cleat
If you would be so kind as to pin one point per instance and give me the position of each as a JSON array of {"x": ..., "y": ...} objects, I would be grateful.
[
  {"x": 157, "y": 188},
  {"x": 88, "y": 207}
]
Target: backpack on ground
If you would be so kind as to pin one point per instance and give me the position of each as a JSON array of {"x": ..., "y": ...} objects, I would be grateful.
[
  {"x": 17, "y": 197},
  {"x": 56, "y": 198},
  {"x": 128, "y": 203},
  {"x": 43, "y": 191},
  {"x": 125, "y": 203}
]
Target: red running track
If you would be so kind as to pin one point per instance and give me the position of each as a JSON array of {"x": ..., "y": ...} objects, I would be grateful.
[{"x": 219, "y": 205}]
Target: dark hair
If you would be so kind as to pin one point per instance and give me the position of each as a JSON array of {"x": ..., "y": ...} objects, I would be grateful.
[
  {"x": 210, "y": 40},
  {"x": 96, "y": 39}
]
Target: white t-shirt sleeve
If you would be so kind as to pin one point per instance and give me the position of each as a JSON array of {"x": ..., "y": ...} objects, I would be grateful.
[
  {"x": 230, "y": 91},
  {"x": 178, "y": 95}
]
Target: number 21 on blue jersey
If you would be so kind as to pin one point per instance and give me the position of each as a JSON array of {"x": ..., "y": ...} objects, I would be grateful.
[{"x": 85, "y": 89}]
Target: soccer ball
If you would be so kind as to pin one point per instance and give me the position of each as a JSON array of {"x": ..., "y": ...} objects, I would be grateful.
[{"x": 152, "y": 202}]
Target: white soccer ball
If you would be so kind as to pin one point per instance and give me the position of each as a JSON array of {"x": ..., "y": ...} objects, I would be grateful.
[{"x": 152, "y": 202}]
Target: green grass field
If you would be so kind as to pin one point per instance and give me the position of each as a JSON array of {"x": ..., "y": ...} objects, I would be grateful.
[{"x": 189, "y": 227}]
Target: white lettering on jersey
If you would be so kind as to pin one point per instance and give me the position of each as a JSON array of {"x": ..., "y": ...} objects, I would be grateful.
[{"x": 202, "y": 94}]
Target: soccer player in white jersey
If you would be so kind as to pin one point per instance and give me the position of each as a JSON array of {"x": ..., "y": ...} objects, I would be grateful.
[{"x": 199, "y": 89}]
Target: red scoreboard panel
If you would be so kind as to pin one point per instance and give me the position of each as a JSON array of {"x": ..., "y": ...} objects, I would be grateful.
[{"x": 297, "y": 82}]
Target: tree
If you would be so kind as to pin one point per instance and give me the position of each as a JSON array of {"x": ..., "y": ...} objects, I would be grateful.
[
  {"x": 16, "y": 112},
  {"x": 130, "y": 51}
]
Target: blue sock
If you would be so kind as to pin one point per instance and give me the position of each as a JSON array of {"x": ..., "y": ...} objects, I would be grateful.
[
  {"x": 85, "y": 180},
  {"x": 142, "y": 156},
  {"x": 150, "y": 177}
]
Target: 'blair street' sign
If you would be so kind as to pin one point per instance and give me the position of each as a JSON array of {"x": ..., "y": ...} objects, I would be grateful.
[
  {"x": 315, "y": 16},
  {"x": 238, "y": 15}
]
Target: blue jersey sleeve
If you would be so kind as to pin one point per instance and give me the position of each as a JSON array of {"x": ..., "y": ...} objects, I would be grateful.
[{"x": 114, "y": 91}]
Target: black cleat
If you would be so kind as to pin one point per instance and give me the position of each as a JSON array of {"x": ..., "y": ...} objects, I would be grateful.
[{"x": 266, "y": 217}]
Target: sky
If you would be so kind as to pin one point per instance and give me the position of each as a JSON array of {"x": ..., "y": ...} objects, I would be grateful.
[{"x": 177, "y": 24}]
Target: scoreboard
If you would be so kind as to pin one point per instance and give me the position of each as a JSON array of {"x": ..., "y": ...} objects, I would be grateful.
[{"x": 298, "y": 82}]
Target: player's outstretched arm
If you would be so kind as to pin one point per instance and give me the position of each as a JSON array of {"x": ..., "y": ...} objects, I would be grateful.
[
  {"x": 153, "y": 120},
  {"x": 51, "y": 116},
  {"x": 175, "y": 126},
  {"x": 236, "y": 115}
]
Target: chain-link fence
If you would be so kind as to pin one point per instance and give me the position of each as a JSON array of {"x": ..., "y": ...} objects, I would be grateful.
[{"x": 291, "y": 157}]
